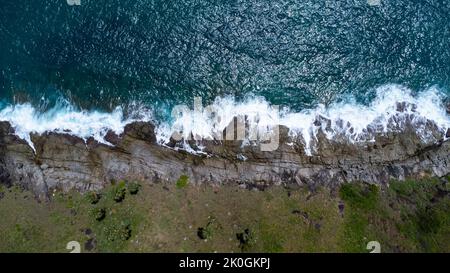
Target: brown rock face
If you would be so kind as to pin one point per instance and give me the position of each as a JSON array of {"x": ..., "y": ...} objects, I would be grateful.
[
  {"x": 67, "y": 162},
  {"x": 5, "y": 130},
  {"x": 141, "y": 130}
]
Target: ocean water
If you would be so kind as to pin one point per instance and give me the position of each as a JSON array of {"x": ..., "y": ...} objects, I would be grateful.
[{"x": 100, "y": 65}]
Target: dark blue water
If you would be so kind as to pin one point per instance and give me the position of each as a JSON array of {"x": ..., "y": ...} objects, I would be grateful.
[{"x": 106, "y": 53}]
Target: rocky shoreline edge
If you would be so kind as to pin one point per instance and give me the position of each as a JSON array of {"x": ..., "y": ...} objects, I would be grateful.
[{"x": 65, "y": 162}]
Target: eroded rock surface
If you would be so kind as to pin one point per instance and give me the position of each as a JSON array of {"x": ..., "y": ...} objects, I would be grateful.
[{"x": 66, "y": 162}]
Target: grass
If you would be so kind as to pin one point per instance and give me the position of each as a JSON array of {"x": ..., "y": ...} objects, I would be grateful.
[
  {"x": 425, "y": 213},
  {"x": 98, "y": 213},
  {"x": 133, "y": 187},
  {"x": 360, "y": 195},
  {"x": 361, "y": 200},
  {"x": 411, "y": 216},
  {"x": 246, "y": 239},
  {"x": 93, "y": 197},
  {"x": 182, "y": 182},
  {"x": 208, "y": 231}
]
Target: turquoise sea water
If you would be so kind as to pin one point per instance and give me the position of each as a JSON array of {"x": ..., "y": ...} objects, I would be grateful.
[{"x": 154, "y": 54}]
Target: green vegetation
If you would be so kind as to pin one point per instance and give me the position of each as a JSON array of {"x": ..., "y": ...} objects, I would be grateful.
[
  {"x": 93, "y": 197},
  {"x": 409, "y": 216},
  {"x": 117, "y": 230},
  {"x": 208, "y": 231},
  {"x": 246, "y": 239},
  {"x": 120, "y": 191},
  {"x": 204, "y": 233},
  {"x": 98, "y": 213},
  {"x": 183, "y": 181},
  {"x": 361, "y": 199},
  {"x": 133, "y": 188},
  {"x": 116, "y": 217},
  {"x": 360, "y": 195},
  {"x": 425, "y": 213}
]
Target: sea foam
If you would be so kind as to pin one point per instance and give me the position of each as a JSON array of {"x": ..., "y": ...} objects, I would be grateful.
[
  {"x": 347, "y": 118},
  {"x": 65, "y": 119}
]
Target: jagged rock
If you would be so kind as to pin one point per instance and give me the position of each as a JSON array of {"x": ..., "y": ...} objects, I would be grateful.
[
  {"x": 5, "y": 128},
  {"x": 405, "y": 106},
  {"x": 141, "y": 130},
  {"x": 112, "y": 137},
  {"x": 321, "y": 121},
  {"x": 65, "y": 162}
]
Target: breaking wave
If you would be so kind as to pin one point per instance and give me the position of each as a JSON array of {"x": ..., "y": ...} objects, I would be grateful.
[
  {"x": 65, "y": 118},
  {"x": 355, "y": 121}
]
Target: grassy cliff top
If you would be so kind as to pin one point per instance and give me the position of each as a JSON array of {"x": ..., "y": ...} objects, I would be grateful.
[{"x": 411, "y": 216}]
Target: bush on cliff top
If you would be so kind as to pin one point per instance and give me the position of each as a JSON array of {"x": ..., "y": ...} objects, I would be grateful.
[
  {"x": 98, "y": 213},
  {"x": 246, "y": 239},
  {"x": 120, "y": 192},
  {"x": 182, "y": 181},
  {"x": 93, "y": 197},
  {"x": 117, "y": 231},
  {"x": 360, "y": 195},
  {"x": 134, "y": 187}
]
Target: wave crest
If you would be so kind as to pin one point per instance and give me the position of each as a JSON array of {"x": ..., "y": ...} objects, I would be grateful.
[{"x": 393, "y": 108}]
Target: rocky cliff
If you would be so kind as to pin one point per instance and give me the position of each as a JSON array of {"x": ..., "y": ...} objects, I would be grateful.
[{"x": 62, "y": 161}]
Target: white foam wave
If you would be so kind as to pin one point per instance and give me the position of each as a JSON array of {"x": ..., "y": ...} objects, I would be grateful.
[
  {"x": 65, "y": 119},
  {"x": 346, "y": 118}
]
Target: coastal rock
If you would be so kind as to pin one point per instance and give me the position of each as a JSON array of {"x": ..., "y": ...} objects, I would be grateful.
[
  {"x": 141, "y": 130},
  {"x": 62, "y": 161},
  {"x": 112, "y": 137},
  {"x": 5, "y": 128}
]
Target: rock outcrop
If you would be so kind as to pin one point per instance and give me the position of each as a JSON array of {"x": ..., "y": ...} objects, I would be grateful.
[{"x": 62, "y": 161}]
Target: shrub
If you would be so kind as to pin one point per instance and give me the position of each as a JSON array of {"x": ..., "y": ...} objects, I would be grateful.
[
  {"x": 93, "y": 197},
  {"x": 118, "y": 231},
  {"x": 182, "y": 181},
  {"x": 98, "y": 213},
  {"x": 359, "y": 195},
  {"x": 428, "y": 220},
  {"x": 133, "y": 187},
  {"x": 207, "y": 231},
  {"x": 204, "y": 232},
  {"x": 120, "y": 192},
  {"x": 245, "y": 239}
]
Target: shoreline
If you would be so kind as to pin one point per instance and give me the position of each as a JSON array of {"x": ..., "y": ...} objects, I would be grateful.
[{"x": 63, "y": 161}]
